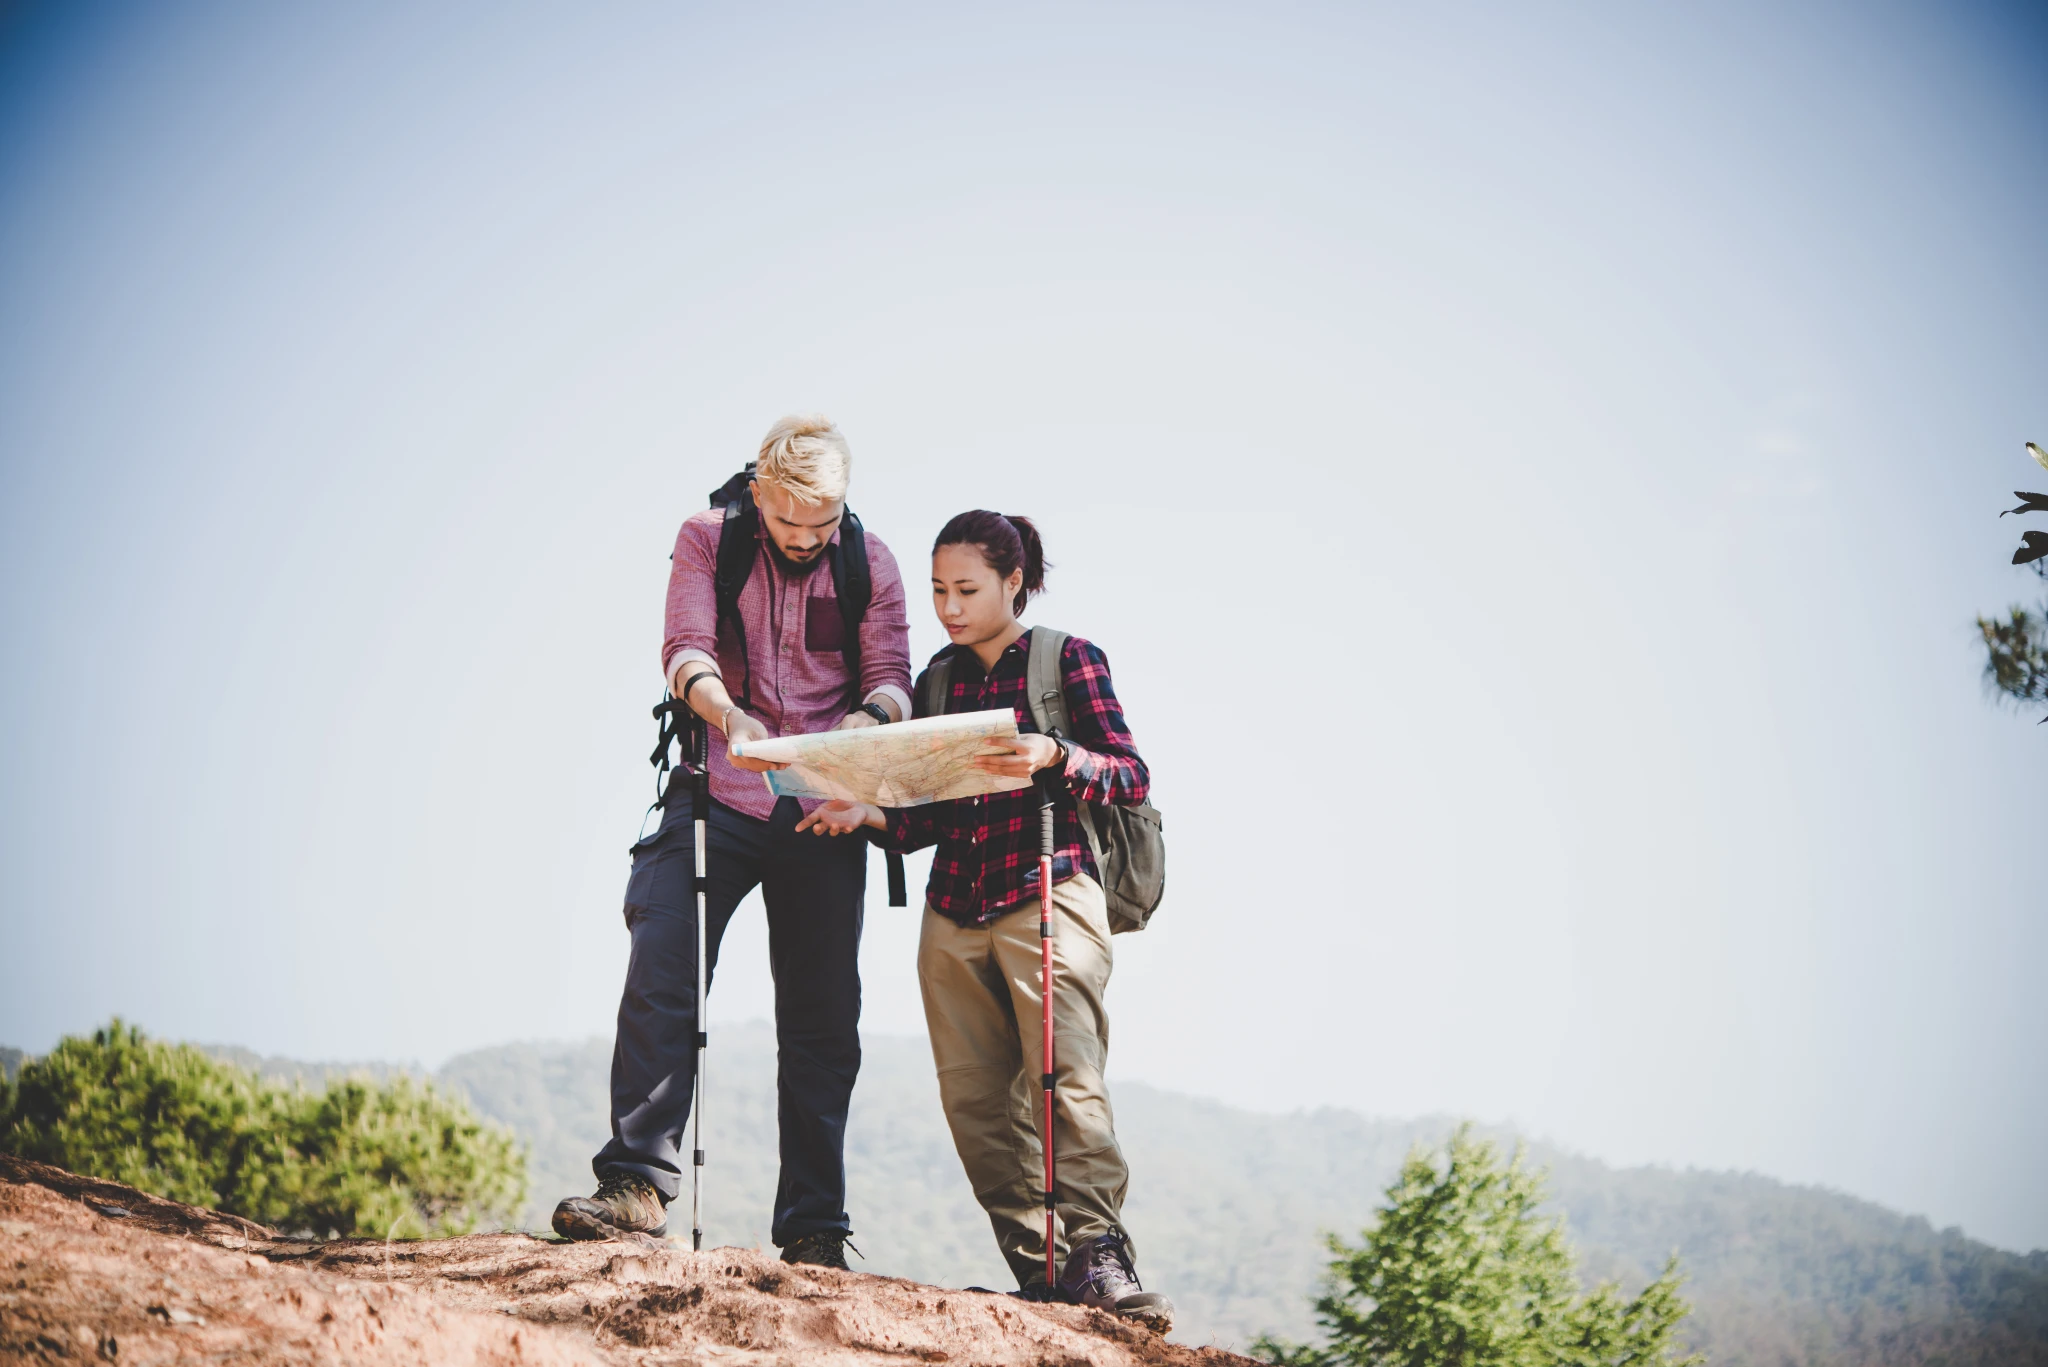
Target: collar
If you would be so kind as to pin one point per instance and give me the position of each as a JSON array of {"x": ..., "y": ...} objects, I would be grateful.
[{"x": 965, "y": 656}]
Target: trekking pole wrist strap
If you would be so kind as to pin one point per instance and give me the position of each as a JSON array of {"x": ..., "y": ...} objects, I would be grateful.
[{"x": 699, "y": 677}]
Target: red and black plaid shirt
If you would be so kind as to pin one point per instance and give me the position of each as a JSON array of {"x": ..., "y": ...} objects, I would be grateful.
[{"x": 987, "y": 860}]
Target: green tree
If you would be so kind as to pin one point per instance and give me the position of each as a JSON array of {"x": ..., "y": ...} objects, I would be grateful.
[
  {"x": 1461, "y": 1270},
  {"x": 360, "y": 1158},
  {"x": 2016, "y": 649}
]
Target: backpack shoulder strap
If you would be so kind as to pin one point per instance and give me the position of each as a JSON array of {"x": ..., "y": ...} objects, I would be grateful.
[
  {"x": 1045, "y": 682},
  {"x": 938, "y": 681},
  {"x": 1045, "y": 687},
  {"x": 738, "y": 546},
  {"x": 854, "y": 581}
]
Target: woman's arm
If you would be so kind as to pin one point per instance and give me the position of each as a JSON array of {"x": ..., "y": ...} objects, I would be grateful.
[
  {"x": 1103, "y": 764},
  {"x": 1102, "y": 761}
]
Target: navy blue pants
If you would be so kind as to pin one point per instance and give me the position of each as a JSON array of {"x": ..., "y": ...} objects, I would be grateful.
[{"x": 812, "y": 886}]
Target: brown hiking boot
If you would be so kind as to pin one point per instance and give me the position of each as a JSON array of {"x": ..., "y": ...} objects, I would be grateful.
[
  {"x": 626, "y": 1203},
  {"x": 1099, "y": 1273},
  {"x": 824, "y": 1249}
]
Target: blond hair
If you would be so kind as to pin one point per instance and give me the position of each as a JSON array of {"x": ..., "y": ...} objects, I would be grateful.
[{"x": 805, "y": 457}]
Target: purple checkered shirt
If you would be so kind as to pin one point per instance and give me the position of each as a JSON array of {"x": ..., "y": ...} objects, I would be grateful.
[
  {"x": 987, "y": 860},
  {"x": 795, "y": 671}
]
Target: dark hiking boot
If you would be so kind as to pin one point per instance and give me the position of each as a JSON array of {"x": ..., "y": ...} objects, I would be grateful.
[
  {"x": 1099, "y": 1273},
  {"x": 1040, "y": 1294},
  {"x": 626, "y": 1203},
  {"x": 824, "y": 1249}
]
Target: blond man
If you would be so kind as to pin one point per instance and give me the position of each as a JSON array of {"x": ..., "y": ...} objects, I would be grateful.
[{"x": 775, "y": 663}]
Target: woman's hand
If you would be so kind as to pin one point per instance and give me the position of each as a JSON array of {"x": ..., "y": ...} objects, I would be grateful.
[
  {"x": 1028, "y": 754},
  {"x": 843, "y": 818}
]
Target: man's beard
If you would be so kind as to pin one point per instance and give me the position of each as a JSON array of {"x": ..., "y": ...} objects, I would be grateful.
[{"x": 794, "y": 567}]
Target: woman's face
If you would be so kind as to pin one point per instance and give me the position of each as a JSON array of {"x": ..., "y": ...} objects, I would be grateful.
[{"x": 972, "y": 603}]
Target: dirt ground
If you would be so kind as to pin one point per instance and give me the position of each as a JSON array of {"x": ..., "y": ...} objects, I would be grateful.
[{"x": 92, "y": 1271}]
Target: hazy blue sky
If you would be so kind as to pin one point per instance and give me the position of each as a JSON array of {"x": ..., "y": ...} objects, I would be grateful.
[{"x": 1532, "y": 468}]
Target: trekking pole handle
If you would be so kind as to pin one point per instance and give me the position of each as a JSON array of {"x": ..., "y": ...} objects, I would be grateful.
[{"x": 1043, "y": 780}]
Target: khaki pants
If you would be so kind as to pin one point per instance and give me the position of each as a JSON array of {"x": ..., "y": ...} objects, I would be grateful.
[{"x": 981, "y": 1004}]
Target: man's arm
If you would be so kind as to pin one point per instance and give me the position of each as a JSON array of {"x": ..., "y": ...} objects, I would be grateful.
[
  {"x": 903, "y": 828},
  {"x": 708, "y": 699},
  {"x": 690, "y": 640},
  {"x": 884, "y": 641}
]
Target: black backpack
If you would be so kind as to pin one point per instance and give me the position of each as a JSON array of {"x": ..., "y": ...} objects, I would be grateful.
[
  {"x": 738, "y": 545},
  {"x": 1129, "y": 843}
]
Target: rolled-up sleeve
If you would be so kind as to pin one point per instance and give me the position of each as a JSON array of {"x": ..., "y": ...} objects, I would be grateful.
[
  {"x": 690, "y": 626},
  {"x": 1103, "y": 764},
  {"x": 885, "y": 631}
]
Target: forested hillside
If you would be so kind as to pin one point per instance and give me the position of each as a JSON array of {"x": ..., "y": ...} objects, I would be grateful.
[{"x": 1227, "y": 1208}]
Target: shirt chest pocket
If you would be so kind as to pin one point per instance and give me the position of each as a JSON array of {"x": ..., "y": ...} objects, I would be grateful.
[{"x": 824, "y": 628}]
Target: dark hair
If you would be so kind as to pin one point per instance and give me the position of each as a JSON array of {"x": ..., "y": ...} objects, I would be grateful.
[{"x": 1006, "y": 543}]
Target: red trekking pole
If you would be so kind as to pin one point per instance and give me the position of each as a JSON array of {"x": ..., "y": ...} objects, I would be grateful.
[{"x": 1045, "y": 843}]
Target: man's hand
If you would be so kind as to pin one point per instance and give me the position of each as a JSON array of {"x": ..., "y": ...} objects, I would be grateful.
[
  {"x": 840, "y": 818},
  {"x": 740, "y": 726},
  {"x": 854, "y": 721},
  {"x": 1028, "y": 754}
]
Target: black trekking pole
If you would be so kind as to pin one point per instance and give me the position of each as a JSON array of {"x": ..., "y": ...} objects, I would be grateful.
[
  {"x": 700, "y": 789},
  {"x": 1045, "y": 847}
]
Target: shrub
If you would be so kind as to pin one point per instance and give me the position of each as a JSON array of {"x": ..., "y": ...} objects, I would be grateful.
[
  {"x": 1462, "y": 1271},
  {"x": 360, "y": 1158}
]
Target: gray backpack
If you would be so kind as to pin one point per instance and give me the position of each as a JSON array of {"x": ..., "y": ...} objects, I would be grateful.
[{"x": 1128, "y": 843}]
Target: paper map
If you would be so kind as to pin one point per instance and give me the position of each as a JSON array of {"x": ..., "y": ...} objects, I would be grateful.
[{"x": 904, "y": 764}]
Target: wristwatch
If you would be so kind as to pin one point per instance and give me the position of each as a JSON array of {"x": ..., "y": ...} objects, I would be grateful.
[{"x": 877, "y": 711}]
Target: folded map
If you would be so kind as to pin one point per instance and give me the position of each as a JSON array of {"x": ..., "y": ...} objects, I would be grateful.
[{"x": 905, "y": 764}]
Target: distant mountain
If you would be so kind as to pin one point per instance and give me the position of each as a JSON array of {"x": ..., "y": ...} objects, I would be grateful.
[{"x": 1227, "y": 1208}]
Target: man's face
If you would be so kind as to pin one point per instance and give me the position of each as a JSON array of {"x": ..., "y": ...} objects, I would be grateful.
[{"x": 800, "y": 531}]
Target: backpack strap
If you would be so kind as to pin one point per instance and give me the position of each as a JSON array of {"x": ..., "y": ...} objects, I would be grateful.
[
  {"x": 739, "y": 543},
  {"x": 1045, "y": 682},
  {"x": 938, "y": 683},
  {"x": 853, "y": 580},
  {"x": 1045, "y": 688}
]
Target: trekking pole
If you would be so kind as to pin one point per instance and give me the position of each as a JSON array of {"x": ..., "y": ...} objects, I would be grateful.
[
  {"x": 1045, "y": 829},
  {"x": 700, "y": 787}
]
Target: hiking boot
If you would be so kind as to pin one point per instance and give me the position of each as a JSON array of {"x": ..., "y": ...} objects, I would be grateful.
[
  {"x": 1099, "y": 1273},
  {"x": 626, "y": 1203},
  {"x": 827, "y": 1248}
]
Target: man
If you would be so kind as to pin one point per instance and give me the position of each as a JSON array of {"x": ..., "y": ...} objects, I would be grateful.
[{"x": 779, "y": 669}]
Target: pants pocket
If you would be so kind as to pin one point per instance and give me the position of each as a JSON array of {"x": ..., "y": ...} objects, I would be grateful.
[{"x": 664, "y": 871}]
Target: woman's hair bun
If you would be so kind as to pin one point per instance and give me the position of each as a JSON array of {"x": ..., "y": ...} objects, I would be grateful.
[{"x": 1007, "y": 542}]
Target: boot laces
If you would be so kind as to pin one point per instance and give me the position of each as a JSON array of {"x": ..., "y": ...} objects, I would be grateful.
[
  {"x": 1109, "y": 1262},
  {"x": 617, "y": 1184}
]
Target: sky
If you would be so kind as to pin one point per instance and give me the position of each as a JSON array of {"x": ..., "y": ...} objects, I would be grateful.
[{"x": 1533, "y": 469}]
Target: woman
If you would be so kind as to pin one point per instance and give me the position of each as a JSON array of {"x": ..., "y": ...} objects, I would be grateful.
[{"x": 978, "y": 954}]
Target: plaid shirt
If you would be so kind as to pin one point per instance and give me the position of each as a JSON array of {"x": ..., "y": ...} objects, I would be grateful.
[{"x": 987, "y": 860}]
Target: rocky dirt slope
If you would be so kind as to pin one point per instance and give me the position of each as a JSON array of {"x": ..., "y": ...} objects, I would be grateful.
[{"x": 92, "y": 1271}]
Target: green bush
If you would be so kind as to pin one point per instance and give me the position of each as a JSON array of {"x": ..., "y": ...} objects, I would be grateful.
[
  {"x": 1462, "y": 1271},
  {"x": 361, "y": 1158}
]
